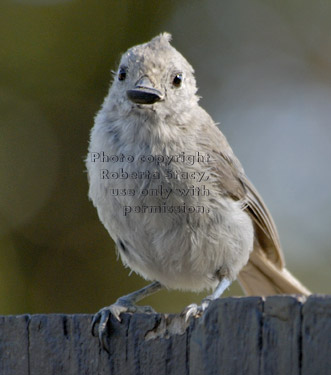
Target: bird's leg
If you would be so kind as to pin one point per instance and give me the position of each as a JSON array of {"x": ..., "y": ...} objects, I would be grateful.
[
  {"x": 196, "y": 310},
  {"x": 123, "y": 304}
]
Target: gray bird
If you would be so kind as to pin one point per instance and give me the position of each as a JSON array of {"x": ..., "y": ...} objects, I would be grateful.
[{"x": 171, "y": 192}]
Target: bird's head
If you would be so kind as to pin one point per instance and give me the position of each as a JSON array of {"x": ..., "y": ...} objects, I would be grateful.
[{"x": 153, "y": 77}]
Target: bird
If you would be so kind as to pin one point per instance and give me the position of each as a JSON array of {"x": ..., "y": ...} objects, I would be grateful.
[{"x": 172, "y": 194}]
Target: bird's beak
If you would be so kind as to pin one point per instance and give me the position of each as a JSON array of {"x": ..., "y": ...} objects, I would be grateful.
[{"x": 144, "y": 92}]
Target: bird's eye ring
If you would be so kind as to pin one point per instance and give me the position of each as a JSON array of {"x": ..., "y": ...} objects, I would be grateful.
[
  {"x": 177, "y": 81},
  {"x": 122, "y": 73}
]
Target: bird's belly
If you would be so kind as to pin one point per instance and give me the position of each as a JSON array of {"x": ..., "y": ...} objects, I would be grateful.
[
  {"x": 168, "y": 232},
  {"x": 182, "y": 250}
]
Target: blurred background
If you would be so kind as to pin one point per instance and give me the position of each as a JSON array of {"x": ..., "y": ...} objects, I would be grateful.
[{"x": 264, "y": 73}]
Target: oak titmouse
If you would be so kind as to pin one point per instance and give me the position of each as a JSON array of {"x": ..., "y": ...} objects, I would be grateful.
[{"x": 171, "y": 192}]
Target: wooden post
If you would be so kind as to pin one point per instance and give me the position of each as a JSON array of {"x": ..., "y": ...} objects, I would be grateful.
[{"x": 247, "y": 335}]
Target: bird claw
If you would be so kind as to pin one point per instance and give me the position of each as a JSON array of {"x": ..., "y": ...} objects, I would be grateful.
[
  {"x": 194, "y": 310},
  {"x": 191, "y": 310},
  {"x": 103, "y": 316},
  {"x": 116, "y": 309}
]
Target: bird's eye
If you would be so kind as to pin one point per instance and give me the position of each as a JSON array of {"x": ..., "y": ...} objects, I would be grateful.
[
  {"x": 177, "y": 81},
  {"x": 122, "y": 73}
]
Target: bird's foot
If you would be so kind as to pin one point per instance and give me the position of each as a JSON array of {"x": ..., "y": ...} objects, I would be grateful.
[
  {"x": 195, "y": 310},
  {"x": 122, "y": 305}
]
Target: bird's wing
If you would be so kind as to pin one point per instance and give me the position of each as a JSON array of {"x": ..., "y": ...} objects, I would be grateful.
[
  {"x": 234, "y": 183},
  {"x": 265, "y": 272},
  {"x": 265, "y": 228}
]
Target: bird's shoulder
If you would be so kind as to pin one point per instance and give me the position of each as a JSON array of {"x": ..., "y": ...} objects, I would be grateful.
[{"x": 223, "y": 163}]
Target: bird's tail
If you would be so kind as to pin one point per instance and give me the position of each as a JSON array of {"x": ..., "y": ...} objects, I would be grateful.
[{"x": 262, "y": 277}]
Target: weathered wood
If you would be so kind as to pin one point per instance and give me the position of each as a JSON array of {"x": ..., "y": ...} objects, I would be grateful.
[
  {"x": 14, "y": 345},
  {"x": 281, "y": 336},
  {"x": 228, "y": 337},
  {"x": 250, "y": 335},
  {"x": 316, "y": 336}
]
